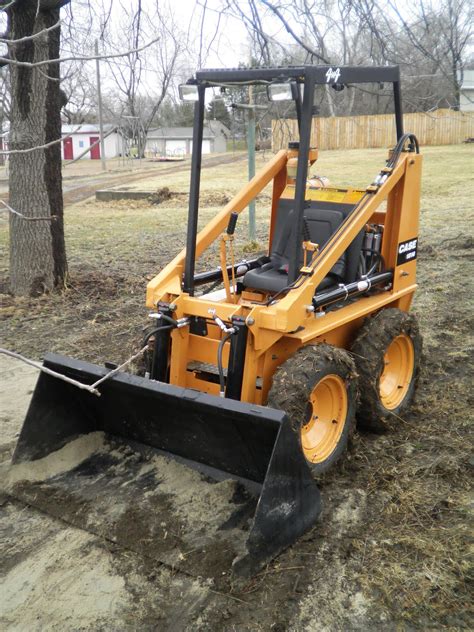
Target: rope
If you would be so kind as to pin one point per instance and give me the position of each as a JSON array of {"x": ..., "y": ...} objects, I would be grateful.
[{"x": 86, "y": 387}]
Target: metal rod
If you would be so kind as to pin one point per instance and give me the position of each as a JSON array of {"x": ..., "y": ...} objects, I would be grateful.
[
  {"x": 160, "y": 358},
  {"x": 99, "y": 104},
  {"x": 397, "y": 98},
  {"x": 301, "y": 176},
  {"x": 351, "y": 289},
  {"x": 251, "y": 164},
  {"x": 216, "y": 275},
  {"x": 298, "y": 105},
  {"x": 193, "y": 211},
  {"x": 235, "y": 369}
]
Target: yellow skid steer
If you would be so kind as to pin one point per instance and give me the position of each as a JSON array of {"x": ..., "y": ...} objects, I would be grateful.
[{"x": 256, "y": 370}]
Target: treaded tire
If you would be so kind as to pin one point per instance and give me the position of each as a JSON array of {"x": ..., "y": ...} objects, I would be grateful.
[
  {"x": 369, "y": 348},
  {"x": 294, "y": 381}
]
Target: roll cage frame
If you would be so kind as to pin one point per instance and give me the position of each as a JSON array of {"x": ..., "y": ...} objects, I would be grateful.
[{"x": 309, "y": 77}]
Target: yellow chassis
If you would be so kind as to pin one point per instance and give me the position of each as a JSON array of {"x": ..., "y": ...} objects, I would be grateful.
[{"x": 277, "y": 330}]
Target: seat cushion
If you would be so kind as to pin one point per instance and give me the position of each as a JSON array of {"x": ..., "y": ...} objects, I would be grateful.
[
  {"x": 322, "y": 220},
  {"x": 270, "y": 279},
  {"x": 266, "y": 278}
]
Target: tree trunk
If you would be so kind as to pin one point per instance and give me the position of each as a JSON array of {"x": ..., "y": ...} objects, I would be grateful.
[{"x": 37, "y": 248}]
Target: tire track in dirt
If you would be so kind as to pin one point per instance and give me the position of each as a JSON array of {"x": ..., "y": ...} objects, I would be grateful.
[{"x": 80, "y": 193}]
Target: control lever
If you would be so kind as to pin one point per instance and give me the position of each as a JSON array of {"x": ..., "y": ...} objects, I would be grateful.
[
  {"x": 232, "y": 223},
  {"x": 228, "y": 236}
]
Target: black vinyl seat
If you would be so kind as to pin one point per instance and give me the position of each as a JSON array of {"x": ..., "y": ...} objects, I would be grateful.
[{"x": 322, "y": 220}]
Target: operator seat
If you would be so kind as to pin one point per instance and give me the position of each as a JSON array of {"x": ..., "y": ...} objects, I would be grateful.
[{"x": 322, "y": 219}]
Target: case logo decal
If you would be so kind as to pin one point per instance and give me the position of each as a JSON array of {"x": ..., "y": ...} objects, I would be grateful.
[{"x": 407, "y": 251}]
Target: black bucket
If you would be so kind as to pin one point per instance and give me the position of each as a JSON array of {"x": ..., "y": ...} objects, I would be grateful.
[{"x": 221, "y": 439}]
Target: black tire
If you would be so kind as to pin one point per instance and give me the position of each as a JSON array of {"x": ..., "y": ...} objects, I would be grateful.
[
  {"x": 296, "y": 379},
  {"x": 369, "y": 349}
]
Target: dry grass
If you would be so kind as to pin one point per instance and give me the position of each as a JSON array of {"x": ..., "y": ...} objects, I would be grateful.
[{"x": 407, "y": 554}]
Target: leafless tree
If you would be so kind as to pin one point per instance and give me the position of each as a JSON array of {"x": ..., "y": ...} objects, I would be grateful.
[
  {"x": 33, "y": 54},
  {"x": 37, "y": 249},
  {"x": 429, "y": 39},
  {"x": 78, "y": 84},
  {"x": 441, "y": 33},
  {"x": 142, "y": 80}
]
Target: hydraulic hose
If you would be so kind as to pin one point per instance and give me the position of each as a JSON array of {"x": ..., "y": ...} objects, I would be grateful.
[
  {"x": 155, "y": 331},
  {"x": 220, "y": 367},
  {"x": 414, "y": 146}
]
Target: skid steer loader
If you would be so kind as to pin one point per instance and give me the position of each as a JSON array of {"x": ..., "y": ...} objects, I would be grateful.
[{"x": 252, "y": 389}]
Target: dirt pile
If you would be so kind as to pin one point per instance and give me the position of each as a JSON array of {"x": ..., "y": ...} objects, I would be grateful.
[
  {"x": 63, "y": 460},
  {"x": 160, "y": 195}
]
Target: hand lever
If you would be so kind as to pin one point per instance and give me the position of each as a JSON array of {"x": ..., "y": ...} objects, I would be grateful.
[{"x": 232, "y": 222}]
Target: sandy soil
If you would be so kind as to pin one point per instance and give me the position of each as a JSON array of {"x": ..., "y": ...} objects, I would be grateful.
[
  {"x": 390, "y": 551},
  {"x": 18, "y": 381}
]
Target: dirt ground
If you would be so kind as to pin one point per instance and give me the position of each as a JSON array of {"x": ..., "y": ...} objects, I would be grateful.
[
  {"x": 83, "y": 178},
  {"x": 391, "y": 549}
]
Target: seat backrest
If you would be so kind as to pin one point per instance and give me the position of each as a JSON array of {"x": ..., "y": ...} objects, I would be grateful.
[
  {"x": 322, "y": 224},
  {"x": 352, "y": 253},
  {"x": 322, "y": 220}
]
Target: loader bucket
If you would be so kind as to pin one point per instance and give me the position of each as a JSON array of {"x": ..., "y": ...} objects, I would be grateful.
[{"x": 172, "y": 459}]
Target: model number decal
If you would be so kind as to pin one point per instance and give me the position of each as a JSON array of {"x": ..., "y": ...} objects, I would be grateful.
[
  {"x": 407, "y": 251},
  {"x": 333, "y": 75}
]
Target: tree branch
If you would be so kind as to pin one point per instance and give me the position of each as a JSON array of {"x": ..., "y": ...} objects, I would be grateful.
[
  {"x": 25, "y": 217},
  {"x": 26, "y": 64},
  {"x": 28, "y": 38}
]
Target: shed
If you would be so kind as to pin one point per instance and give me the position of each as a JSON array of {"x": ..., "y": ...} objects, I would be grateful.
[
  {"x": 77, "y": 138},
  {"x": 173, "y": 141}
]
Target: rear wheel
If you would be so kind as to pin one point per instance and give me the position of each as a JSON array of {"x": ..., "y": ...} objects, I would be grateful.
[
  {"x": 317, "y": 388},
  {"x": 387, "y": 353}
]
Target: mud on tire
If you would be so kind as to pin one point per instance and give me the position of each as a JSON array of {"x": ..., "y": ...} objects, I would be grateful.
[
  {"x": 297, "y": 380},
  {"x": 380, "y": 405}
]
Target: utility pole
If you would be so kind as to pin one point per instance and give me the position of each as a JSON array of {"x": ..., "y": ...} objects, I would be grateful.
[
  {"x": 99, "y": 103},
  {"x": 251, "y": 162}
]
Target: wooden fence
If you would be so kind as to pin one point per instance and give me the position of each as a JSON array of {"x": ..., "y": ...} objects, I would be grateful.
[{"x": 441, "y": 127}]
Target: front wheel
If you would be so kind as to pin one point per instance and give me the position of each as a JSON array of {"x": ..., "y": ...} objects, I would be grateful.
[
  {"x": 387, "y": 354},
  {"x": 317, "y": 388}
]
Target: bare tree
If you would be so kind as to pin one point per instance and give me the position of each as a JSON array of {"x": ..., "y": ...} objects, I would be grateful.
[
  {"x": 142, "y": 80},
  {"x": 429, "y": 39},
  {"x": 37, "y": 249},
  {"x": 32, "y": 37},
  {"x": 80, "y": 91},
  {"x": 442, "y": 33}
]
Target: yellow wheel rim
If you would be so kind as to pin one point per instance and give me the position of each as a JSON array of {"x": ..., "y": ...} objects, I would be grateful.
[
  {"x": 328, "y": 412},
  {"x": 399, "y": 361}
]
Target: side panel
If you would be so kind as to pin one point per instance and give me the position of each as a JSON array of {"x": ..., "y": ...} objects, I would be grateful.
[{"x": 400, "y": 243}]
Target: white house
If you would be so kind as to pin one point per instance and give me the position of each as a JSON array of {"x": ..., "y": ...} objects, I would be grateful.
[
  {"x": 467, "y": 91},
  {"x": 77, "y": 138},
  {"x": 172, "y": 141}
]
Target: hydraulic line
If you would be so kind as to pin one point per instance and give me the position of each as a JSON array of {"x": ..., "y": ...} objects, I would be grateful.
[
  {"x": 220, "y": 368},
  {"x": 153, "y": 332}
]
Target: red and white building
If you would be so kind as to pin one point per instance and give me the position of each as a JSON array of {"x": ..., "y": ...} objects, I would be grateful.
[{"x": 78, "y": 138}]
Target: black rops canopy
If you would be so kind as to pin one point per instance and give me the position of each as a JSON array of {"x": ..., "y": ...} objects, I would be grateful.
[{"x": 309, "y": 76}]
